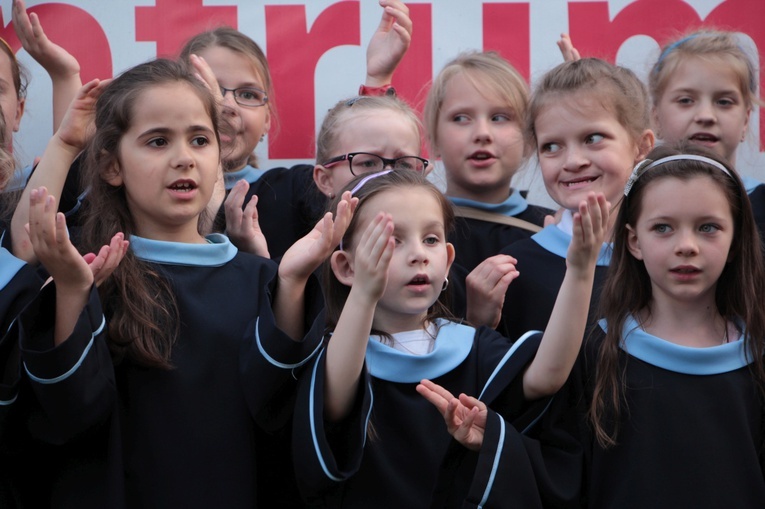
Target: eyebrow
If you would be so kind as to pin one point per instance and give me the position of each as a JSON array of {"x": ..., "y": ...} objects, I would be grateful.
[{"x": 167, "y": 130}]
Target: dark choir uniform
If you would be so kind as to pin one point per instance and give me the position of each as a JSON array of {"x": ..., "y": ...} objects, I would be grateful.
[
  {"x": 289, "y": 205},
  {"x": 694, "y": 433},
  {"x": 185, "y": 437},
  {"x": 475, "y": 240},
  {"x": 756, "y": 192},
  {"x": 387, "y": 452},
  {"x": 542, "y": 265}
]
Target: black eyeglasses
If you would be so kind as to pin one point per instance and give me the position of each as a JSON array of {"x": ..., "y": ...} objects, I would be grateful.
[
  {"x": 247, "y": 96},
  {"x": 364, "y": 162}
]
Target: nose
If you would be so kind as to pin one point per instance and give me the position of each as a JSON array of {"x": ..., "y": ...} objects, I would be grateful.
[
  {"x": 705, "y": 113},
  {"x": 482, "y": 130},
  {"x": 182, "y": 158},
  {"x": 418, "y": 254},
  {"x": 686, "y": 243},
  {"x": 575, "y": 159}
]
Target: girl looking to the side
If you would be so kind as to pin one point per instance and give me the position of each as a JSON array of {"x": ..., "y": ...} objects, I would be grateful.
[
  {"x": 474, "y": 118},
  {"x": 588, "y": 121},
  {"x": 172, "y": 423},
  {"x": 388, "y": 330}
]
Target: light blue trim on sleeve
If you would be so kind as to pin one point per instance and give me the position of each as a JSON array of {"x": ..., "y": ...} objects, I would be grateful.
[
  {"x": 505, "y": 358},
  {"x": 273, "y": 361},
  {"x": 248, "y": 173},
  {"x": 556, "y": 241},
  {"x": 311, "y": 410},
  {"x": 750, "y": 184},
  {"x": 9, "y": 266},
  {"x": 664, "y": 354},
  {"x": 495, "y": 466},
  {"x": 9, "y": 402},
  {"x": 48, "y": 381},
  {"x": 514, "y": 204},
  {"x": 218, "y": 251}
]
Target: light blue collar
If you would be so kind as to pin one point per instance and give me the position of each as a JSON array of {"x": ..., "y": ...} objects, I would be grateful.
[
  {"x": 218, "y": 251},
  {"x": 556, "y": 241},
  {"x": 750, "y": 184},
  {"x": 9, "y": 266},
  {"x": 452, "y": 346},
  {"x": 681, "y": 359},
  {"x": 247, "y": 173},
  {"x": 514, "y": 205}
]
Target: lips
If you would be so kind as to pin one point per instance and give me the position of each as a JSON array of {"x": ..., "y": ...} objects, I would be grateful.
[
  {"x": 419, "y": 280},
  {"x": 704, "y": 138},
  {"x": 482, "y": 158},
  {"x": 580, "y": 181},
  {"x": 183, "y": 186}
]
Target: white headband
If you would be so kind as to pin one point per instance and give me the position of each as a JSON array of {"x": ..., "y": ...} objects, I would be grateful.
[{"x": 644, "y": 166}]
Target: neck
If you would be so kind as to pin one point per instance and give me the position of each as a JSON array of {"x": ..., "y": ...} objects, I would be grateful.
[
  {"x": 496, "y": 195},
  {"x": 386, "y": 322},
  {"x": 696, "y": 324},
  {"x": 185, "y": 235}
]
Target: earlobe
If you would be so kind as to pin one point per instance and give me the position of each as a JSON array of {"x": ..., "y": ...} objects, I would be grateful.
[
  {"x": 633, "y": 243},
  {"x": 19, "y": 113},
  {"x": 342, "y": 267},
  {"x": 645, "y": 144},
  {"x": 112, "y": 175},
  {"x": 323, "y": 180},
  {"x": 655, "y": 122},
  {"x": 450, "y": 254}
]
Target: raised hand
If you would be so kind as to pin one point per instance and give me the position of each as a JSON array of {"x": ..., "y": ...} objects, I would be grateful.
[
  {"x": 61, "y": 66},
  {"x": 389, "y": 43},
  {"x": 486, "y": 288},
  {"x": 590, "y": 227},
  {"x": 465, "y": 416},
  {"x": 103, "y": 264},
  {"x": 567, "y": 48},
  {"x": 371, "y": 259},
  {"x": 242, "y": 226},
  {"x": 78, "y": 123}
]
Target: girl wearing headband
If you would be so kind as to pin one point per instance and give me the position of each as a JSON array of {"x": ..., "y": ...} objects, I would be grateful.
[
  {"x": 667, "y": 397},
  {"x": 365, "y": 437}
]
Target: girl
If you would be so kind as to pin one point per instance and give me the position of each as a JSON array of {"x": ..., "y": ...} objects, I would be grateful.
[
  {"x": 704, "y": 87},
  {"x": 682, "y": 333},
  {"x": 386, "y": 280},
  {"x": 195, "y": 369},
  {"x": 588, "y": 120},
  {"x": 474, "y": 114}
]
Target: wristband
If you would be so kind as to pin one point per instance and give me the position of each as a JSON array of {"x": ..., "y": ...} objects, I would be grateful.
[{"x": 377, "y": 91}]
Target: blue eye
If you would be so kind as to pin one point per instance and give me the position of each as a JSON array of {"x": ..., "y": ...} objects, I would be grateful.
[
  {"x": 709, "y": 228},
  {"x": 594, "y": 138},
  {"x": 431, "y": 241},
  {"x": 661, "y": 228},
  {"x": 549, "y": 148}
]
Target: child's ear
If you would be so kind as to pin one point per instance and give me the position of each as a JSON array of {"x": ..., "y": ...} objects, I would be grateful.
[
  {"x": 112, "y": 174},
  {"x": 633, "y": 243},
  {"x": 746, "y": 125},
  {"x": 342, "y": 265},
  {"x": 655, "y": 122},
  {"x": 323, "y": 180},
  {"x": 646, "y": 143},
  {"x": 450, "y": 253}
]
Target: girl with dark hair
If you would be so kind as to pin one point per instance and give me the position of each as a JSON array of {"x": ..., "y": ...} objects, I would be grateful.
[
  {"x": 388, "y": 330},
  {"x": 173, "y": 422}
]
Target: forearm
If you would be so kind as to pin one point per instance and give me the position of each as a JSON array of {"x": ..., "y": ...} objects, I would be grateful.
[
  {"x": 289, "y": 308},
  {"x": 51, "y": 172},
  {"x": 65, "y": 89},
  {"x": 345, "y": 356},
  {"x": 69, "y": 304},
  {"x": 562, "y": 338}
]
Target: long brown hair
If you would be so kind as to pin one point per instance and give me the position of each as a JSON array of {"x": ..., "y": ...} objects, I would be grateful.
[
  {"x": 138, "y": 299},
  {"x": 335, "y": 292},
  {"x": 627, "y": 290}
]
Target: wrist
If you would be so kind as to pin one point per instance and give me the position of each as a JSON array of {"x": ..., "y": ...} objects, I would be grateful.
[{"x": 377, "y": 91}]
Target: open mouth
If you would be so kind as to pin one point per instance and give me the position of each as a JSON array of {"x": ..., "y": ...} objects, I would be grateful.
[
  {"x": 419, "y": 280},
  {"x": 704, "y": 138},
  {"x": 583, "y": 181},
  {"x": 183, "y": 186}
]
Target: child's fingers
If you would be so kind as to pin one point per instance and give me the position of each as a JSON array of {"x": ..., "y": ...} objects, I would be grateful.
[
  {"x": 427, "y": 392},
  {"x": 471, "y": 402}
]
